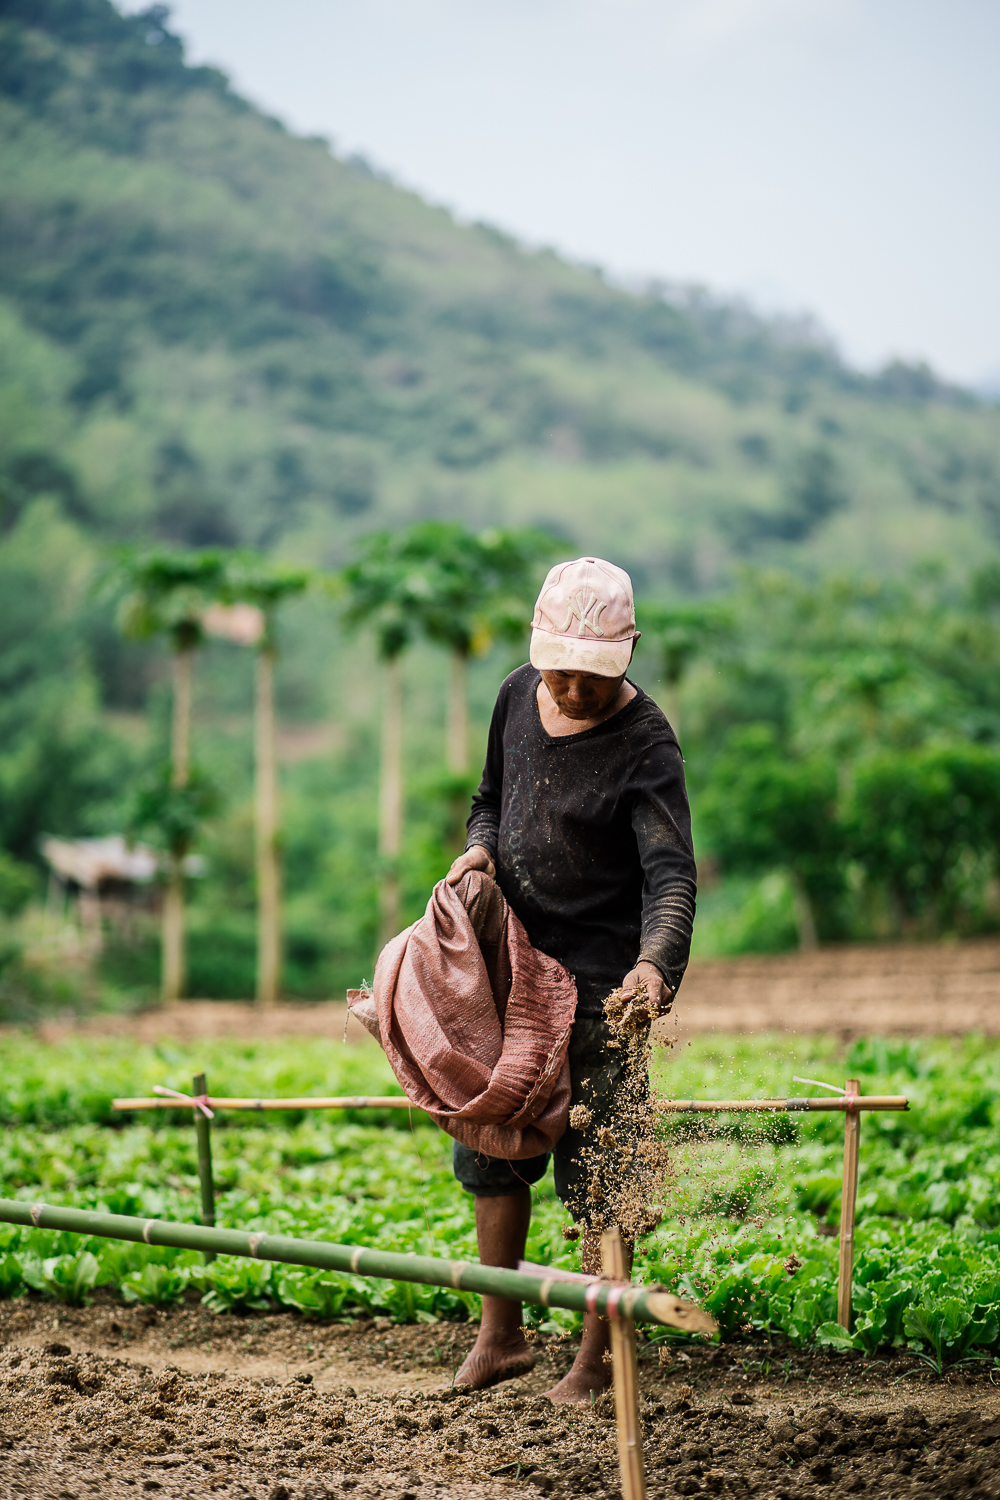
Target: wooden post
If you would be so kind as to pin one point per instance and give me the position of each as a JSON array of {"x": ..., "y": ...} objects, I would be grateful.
[
  {"x": 203, "y": 1135},
  {"x": 852, "y": 1142},
  {"x": 625, "y": 1369}
]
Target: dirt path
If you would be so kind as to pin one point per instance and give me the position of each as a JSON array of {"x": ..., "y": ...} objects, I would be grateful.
[
  {"x": 887, "y": 989},
  {"x": 883, "y": 989},
  {"x": 121, "y": 1402},
  {"x": 207, "y": 1020}
]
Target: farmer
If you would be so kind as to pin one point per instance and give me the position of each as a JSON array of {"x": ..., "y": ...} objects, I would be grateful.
[{"x": 582, "y": 818}]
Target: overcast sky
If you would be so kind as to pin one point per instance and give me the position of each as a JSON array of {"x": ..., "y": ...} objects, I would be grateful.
[{"x": 835, "y": 156}]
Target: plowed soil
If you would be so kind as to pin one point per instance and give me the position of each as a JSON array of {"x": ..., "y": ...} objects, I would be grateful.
[{"x": 123, "y": 1402}]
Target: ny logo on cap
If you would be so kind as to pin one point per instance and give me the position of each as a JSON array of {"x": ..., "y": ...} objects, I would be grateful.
[{"x": 576, "y": 609}]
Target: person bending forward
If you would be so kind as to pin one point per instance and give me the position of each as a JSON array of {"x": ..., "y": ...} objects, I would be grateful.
[{"x": 582, "y": 818}]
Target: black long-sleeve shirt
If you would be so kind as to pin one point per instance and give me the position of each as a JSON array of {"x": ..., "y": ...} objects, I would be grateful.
[{"x": 591, "y": 837}]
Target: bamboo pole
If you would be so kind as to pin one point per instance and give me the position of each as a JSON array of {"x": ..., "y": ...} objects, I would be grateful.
[
  {"x": 643, "y": 1305},
  {"x": 625, "y": 1369},
  {"x": 345, "y": 1101},
  {"x": 203, "y": 1136},
  {"x": 852, "y": 1143},
  {"x": 664, "y": 1106},
  {"x": 266, "y": 816}
]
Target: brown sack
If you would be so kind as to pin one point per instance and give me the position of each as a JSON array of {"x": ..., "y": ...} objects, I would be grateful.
[{"x": 475, "y": 1022}]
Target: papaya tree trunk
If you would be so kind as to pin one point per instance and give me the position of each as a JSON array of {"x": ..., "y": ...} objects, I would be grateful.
[
  {"x": 180, "y": 733},
  {"x": 670, "y": 701},
  {"x": 267, "y": 838},
  {"x": 457, "y": 749},
  {"x": 173, "y": 976},
  {"x": 804, "y": 918},
  {"x": 390, "y": 807},
  {"x": 457, "y": 738}
]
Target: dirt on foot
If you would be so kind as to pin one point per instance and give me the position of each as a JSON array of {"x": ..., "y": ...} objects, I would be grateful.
[{"x": 122, "y": 1402}]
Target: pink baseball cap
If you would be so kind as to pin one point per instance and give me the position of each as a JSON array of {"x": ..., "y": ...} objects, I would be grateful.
[{"x": 584, "y": 619}]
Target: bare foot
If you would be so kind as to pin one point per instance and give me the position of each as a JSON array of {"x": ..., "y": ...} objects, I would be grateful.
[
  {"x": 581, "y": 1383},
  {"x": 487, "y": 1364}
]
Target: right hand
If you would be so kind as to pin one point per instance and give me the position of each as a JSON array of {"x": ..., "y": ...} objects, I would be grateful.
[{"x": 476, "y": 858}]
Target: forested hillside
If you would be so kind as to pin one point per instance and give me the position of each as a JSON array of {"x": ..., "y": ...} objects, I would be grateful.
[{"x": 214, "y": 331}]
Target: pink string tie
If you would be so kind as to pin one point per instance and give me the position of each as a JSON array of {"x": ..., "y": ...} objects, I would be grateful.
[
  {"x": 197, "y": 1101},
  {"x": 615, "y": 1294}
]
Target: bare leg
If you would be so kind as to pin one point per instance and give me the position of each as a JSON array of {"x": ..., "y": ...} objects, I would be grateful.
[
  {"x": 591, "y": 1371},
  {"x": 500, "y": 1351}
]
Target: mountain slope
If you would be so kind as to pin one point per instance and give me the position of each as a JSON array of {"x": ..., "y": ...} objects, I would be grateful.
[{"x": 212, "y": 331}]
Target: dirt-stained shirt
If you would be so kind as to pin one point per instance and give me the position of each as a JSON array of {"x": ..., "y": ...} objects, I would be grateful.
[{"x": 591, "y": 837}]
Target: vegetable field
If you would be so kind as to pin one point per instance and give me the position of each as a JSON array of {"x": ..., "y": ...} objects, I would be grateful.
[{"x": 748, "y": 1208}]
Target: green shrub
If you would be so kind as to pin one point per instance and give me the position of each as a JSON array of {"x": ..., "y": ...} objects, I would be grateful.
[{"x": 18, "y": 883}]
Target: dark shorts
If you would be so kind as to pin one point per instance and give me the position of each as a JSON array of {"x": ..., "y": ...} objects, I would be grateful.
[{"x": 597, "y": 1073}]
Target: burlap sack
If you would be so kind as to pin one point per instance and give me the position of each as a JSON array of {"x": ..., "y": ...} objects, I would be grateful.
[{"x": 475, "y": 1022}]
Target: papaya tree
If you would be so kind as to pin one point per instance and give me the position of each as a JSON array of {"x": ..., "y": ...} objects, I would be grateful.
[
  {"x": 376, "y": 595},
  {"x": 471, "y": 589},
  {"x": 249, "y": 598},
  {"x": 166, "y": 594}
]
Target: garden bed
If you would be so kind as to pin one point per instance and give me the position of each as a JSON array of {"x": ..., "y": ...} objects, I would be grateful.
[{"x": 184, "y": 1402}]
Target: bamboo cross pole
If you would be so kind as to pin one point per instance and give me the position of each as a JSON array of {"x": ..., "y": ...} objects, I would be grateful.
[
  {"x": 662, "y": 1106},
  {"x": 780, "y": 1106},
  {"x": 848, "y": 1201},
  {"x": 625, "y": 1370},
  {"x": 850, "y": 1104},
  {"x": 345, "y": 1101},
  {"x": 642, "y": 1304},
  {"x": 203, "y": 1136}
]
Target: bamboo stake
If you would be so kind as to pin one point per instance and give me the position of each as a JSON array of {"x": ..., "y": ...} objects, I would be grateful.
[
  {"x": 645, "y": 1306},
  {"x": 203, "y": 1135},
  {"x": 346, "y": 1101},
  {"x": 626, "y": 1377},
  {"x": 852, "y": 1142}
]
